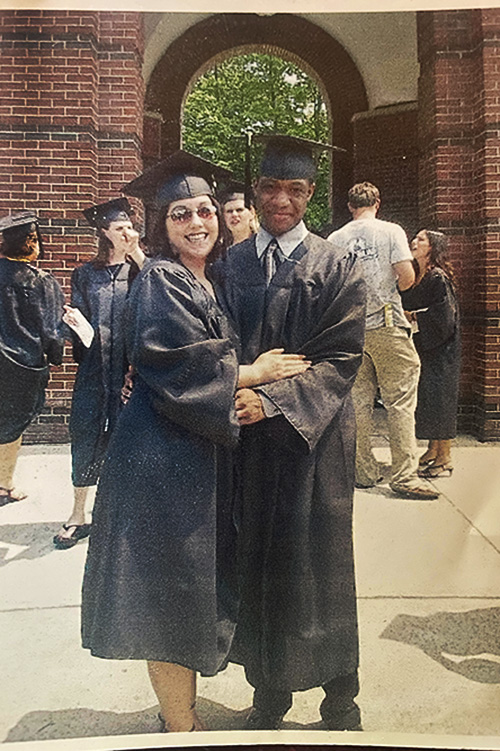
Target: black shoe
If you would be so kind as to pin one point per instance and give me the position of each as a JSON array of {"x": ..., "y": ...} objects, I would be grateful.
[
  {"x": 350, "y": 719},
  {"x": 259, "y": 720},
  {"x": 361, "y": 486}
]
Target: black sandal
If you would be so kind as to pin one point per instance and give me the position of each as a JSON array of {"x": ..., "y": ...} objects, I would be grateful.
[
  {"x": 436, "y": 470},
  {"x": 80, "y": 532},
  {"x": 6, "y": 496}
]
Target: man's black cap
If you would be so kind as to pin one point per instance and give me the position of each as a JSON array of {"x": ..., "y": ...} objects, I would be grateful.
[
  {"x": 290, "y": 157},
  {"x": 181, "y": 175},
  {"x": 102, "y": 214}
]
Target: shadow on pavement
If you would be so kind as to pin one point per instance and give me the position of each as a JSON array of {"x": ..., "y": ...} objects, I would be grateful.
[
  {"x": 86, "y": 723},
  {"x": 447, "y": 637},
  {"x": 36, "y": 538}
]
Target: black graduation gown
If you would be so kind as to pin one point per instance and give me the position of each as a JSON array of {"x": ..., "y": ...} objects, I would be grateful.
[
  {"x": 155, "y": 586},
  {"x": 297, "y": 624},
  {"x": 438, "y": 345},
  {"x": 100, "y": 294},
  {"x": 31, "y": 306}
]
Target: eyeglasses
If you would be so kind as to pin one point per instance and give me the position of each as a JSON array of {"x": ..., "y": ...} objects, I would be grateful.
[{"x": 184, "y": 215}]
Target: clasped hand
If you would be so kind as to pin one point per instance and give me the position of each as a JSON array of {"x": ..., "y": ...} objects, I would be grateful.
[
  {"x": 248, "y": 406},
  {"x": 270, "y": 366}
]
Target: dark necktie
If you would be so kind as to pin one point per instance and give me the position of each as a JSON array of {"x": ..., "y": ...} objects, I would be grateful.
[{"x": 271, "y": 260}]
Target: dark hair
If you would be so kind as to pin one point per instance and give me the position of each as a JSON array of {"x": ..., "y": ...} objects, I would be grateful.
[
  {"x": 235, "y": 195},
  {"x": 104, "y": 245},
  {"x": 363, "y": 194},
  {"x": 163, "y": 247},
  {"x": 103, "y": 249},
  {"x": 439, "y": 252},
  {"x": 14, "y": 240}
]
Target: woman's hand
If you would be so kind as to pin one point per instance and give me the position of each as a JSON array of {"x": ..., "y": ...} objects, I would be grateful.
[
  {"x": 270, "y": 366},
  {"x": 74, "y": 318},
  {"x": 130, "y": 246}
]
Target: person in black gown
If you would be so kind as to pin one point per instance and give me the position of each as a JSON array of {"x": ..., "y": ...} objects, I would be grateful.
[
  {"x": 31, "y": 337},
  {"x": 432, "y": 307},
  {"x": 286, "y": 287},
  {"x": 159, "y": 579},
  {"x": 240, "y": 220},
  {"x": 98, "y": 290}
]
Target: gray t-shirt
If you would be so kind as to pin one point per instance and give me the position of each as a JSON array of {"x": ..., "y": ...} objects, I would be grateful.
[{"x": 379, "y": 245}]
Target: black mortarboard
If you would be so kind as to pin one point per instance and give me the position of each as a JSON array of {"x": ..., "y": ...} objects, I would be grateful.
[
  {"x": 15, "y": 227},
  {"x": 19, "y": 220},
  {"x": 179, "y": 176},
  {"x": 233, "y": 191},
  {"x": 290, "y": 157},
  {"x": 112, "y": 211}
]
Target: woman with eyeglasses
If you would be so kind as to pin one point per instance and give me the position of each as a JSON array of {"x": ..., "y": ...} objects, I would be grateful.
[{"x": 159, "y": 580}]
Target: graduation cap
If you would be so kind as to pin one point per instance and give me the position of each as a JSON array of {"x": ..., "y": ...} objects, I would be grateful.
[
  {"x": 233, "y": 191},
  {"x": 112, "y": 211},
  {"x": 16, "y": 227},
  {"x": 285, "y": 158},
  {"x": 181, "y": 175},
  {"x": 290, "y": 157}
]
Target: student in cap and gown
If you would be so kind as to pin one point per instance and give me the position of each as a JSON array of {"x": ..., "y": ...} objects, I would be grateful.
[
  {"x": 31, "y": 337},
  {"x": 98, "y": 290},
  {"x": 285, "y": 287},
  {"x": 158, "y": 581},
  {"x": 240, "y": 219}
]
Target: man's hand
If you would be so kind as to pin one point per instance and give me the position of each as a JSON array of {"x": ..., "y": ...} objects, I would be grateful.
[
  {"x": 128, "y": 385},
  {"x": 248, "y": 405}
]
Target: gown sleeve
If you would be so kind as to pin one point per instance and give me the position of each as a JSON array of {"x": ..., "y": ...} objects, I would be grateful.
[
  {"x": 52, "y": 327},
  {"x": 437, "y": 322},
  {"x": 78, "y": 300},
  {"x": 310, "y": 401},
  {"x": 178, "y": 349}
]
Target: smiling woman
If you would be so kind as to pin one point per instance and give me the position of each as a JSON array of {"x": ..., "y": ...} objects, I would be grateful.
[
  {"x": 159, "y": 579},
  {"x": 193, "y": 230}
]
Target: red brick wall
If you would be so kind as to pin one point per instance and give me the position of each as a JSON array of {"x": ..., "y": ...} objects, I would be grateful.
[
  {"x": 386, "y": 154},
  {"x": 459, "y": 120},
  {"x": 71, "y": 135}
]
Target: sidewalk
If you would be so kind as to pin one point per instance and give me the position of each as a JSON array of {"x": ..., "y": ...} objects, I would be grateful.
[{"x": 429, "y": 608}]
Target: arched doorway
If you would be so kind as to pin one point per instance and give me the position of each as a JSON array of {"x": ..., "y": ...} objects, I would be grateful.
[{"x": 303, "y": 40}]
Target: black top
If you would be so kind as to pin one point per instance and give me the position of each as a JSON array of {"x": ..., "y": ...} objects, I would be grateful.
[{"x": 31, "y": 304}]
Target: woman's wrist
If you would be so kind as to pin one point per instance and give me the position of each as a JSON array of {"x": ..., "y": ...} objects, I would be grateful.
[
  {"x": 247, "y": 376},
  {"x": 137, "y": 255}
]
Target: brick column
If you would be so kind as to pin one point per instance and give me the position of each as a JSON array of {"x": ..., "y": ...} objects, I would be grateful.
[
  {"x": 120, "y": 101},
  {"x": 70, "y": 127},
  {"x": 386, "y": 154},
  {"x": 459, "y": 115}
]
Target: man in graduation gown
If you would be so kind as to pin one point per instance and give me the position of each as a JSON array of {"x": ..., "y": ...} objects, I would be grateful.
[{"x": 285, "y": 287}]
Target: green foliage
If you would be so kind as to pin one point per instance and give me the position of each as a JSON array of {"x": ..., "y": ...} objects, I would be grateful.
[{"x": 264, "y": 94}]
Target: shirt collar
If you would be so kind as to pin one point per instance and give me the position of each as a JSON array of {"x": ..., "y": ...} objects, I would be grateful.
[{"x": 287, "y": 242}]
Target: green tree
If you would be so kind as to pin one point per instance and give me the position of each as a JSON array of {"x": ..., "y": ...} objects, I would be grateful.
[{"x": 263, "y": 94}]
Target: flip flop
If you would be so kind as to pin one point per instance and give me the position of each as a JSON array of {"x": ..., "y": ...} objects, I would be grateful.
[
  {"x": 426, "y": 462},
  {"x": 6, "y": 496},
  {"x": 80, "y": 531}
]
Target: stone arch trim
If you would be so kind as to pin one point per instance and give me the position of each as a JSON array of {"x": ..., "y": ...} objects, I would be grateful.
[{"x": 189, "y": 53}]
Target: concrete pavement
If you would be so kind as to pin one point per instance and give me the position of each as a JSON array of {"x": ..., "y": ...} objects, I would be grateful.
[{"x": 428, "y": 578}]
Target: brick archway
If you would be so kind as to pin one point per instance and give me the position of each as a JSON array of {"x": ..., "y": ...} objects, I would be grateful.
[{"x": 340, "y": 79}]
